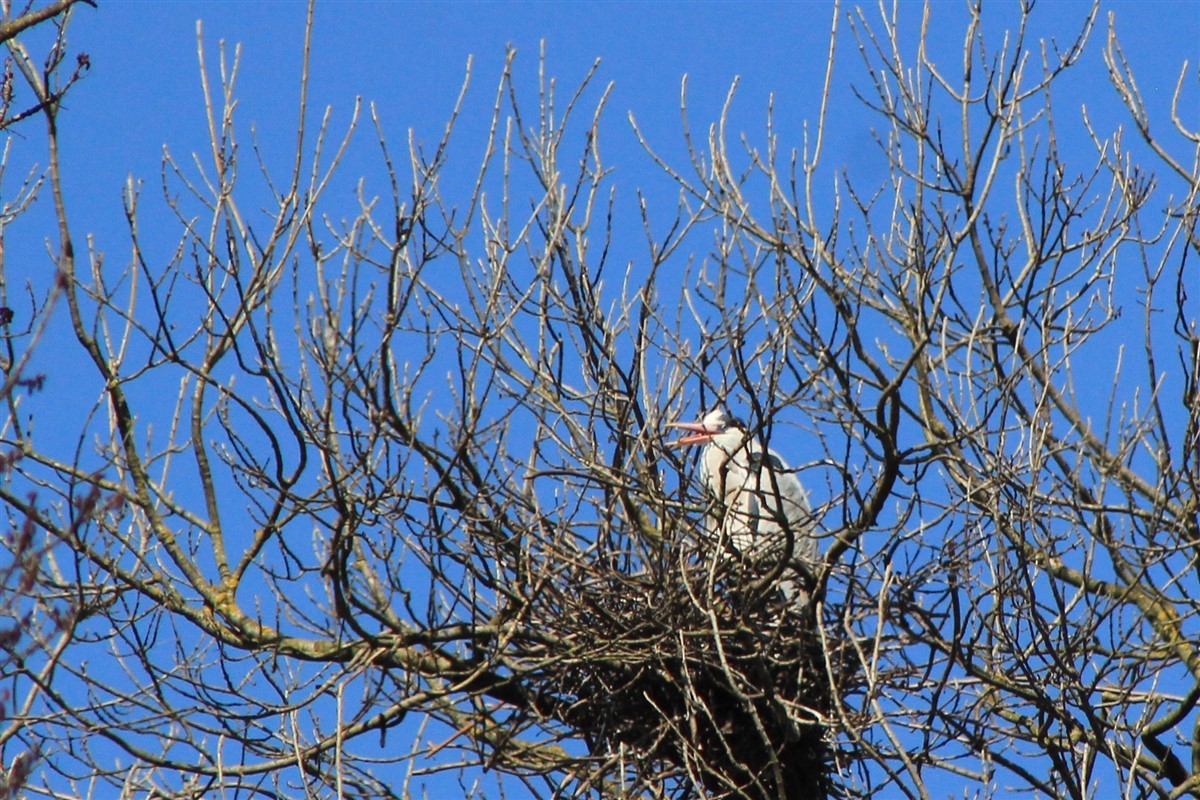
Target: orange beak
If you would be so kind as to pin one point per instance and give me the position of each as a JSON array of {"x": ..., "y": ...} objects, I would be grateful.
[{"x": 700, "y": 433}]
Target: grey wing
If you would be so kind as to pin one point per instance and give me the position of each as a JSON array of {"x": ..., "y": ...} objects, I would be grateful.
[{"x": 784, "y": 501}]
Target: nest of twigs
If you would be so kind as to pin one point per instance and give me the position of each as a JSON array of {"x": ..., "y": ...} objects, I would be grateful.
[{"x": 728, "y": 688}]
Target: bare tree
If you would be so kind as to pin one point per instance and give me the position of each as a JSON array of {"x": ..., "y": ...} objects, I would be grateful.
[
  {"x": 410, "y": 512},
  {"x": 36, "y": 625}
]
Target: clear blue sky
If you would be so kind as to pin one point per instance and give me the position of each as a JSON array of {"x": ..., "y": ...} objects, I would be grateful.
[{"x": 409, "y": 58}]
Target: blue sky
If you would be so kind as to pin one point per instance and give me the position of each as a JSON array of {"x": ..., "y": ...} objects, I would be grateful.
[
  {"x": 409, "y": 58},
  {"x": 143, "y": 92}
]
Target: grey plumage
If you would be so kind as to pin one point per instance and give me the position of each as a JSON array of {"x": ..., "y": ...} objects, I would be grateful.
[{"x": 760, "y": 499}]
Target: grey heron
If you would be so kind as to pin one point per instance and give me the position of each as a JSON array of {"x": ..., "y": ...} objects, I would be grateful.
[{"x": 760, "y": 498}]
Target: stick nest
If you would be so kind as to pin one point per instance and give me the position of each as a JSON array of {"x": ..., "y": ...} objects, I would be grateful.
[{"x": 728, "y": 688}]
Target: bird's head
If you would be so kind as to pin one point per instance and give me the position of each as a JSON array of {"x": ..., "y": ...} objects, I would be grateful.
[{"x": 717, "y": 427}]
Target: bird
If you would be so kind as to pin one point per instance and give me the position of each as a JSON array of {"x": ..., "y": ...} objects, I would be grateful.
[{"x": 760, "y": 501}]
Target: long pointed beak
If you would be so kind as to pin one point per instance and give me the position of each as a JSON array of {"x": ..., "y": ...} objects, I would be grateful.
[{"x": 699, "y": 433}]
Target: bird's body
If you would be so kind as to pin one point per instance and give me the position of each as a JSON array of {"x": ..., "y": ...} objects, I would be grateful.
[{"x": 762, "y": 509}]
